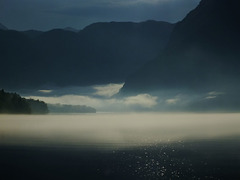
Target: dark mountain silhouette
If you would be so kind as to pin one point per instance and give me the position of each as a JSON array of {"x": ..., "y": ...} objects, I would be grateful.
[
  {"x": 203, "y": 52},
  {"x": 19, "y": 60},
  {"x": 32, "y": 33},
  {"x": 100, "y": 53},
  {"x": 2, "y": 27}
]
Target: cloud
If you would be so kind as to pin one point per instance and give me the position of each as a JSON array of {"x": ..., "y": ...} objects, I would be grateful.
[
  {"x": 109, "y": 104},
  {"x": 213, "y": 94},
  {"x": 144, "y": 100},
  {"x": 177, "y": 99},
  {"x": 45, "y": 91},
  {"x": 172, "y": 101},
  {"x": 211, "y": 97},
  {"x": 107, "y": 90}
]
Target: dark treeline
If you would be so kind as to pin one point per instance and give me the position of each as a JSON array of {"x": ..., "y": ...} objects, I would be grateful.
[{"x": 12, "y": 103}]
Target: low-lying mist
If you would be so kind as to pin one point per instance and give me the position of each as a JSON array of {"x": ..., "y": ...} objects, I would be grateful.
[
  {"x": 115, "y": 129},
  {"x": 106, "y": 98}
]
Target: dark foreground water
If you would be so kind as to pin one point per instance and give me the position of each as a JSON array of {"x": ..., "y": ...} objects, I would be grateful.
[
  {"x": 218, "y": 159},
  {"x": 149, "y": 147}
]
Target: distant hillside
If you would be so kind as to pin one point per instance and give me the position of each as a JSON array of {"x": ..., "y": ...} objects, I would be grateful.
[
  {"x": 100, "y": 53},
  {"x": 203, "y": 53},
  {"x": 12, "y": 103},
  {"x": 32, "y": 33},
  {"x": 71, "y": 29},
  {"x": 2, "y": 27},
  {"x": 62, "y": 108}
]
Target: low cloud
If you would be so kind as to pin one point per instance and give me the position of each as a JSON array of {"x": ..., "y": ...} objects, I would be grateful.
[
  {"x": 103, "y": 104},
  {"x": 107, "y": 90},
  {"x": 144, "y": 100},
  {"x": 101, "y": 98},
  {"x": 45, "y": 91},
  {"x": 172, "y": 101},
  {"x": 213, "y": 94}
]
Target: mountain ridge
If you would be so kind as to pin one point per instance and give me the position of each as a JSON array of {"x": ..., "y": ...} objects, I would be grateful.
[
  {"x": 202, "y": 53},
  {"x": 101, "y": 53}
]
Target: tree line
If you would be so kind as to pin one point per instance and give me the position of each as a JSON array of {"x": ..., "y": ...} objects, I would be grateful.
[{"x": 12, "y": 103}]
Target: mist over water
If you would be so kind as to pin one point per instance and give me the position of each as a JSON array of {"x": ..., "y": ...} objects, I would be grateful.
[
  {"x": 120, "y": 146},
  {"x": 115, "y": 130}
]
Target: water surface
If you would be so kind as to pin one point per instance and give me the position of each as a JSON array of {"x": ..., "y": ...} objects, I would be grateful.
[{"x": 120, "y": 146}]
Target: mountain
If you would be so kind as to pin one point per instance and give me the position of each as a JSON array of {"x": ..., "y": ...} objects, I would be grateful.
[
  {"x": 18, "y": 59},
  {"x": 100, "y": 53},
  {"x": 2, "y": 27},
  {"x": 32, "y": 33},
  {"x": 202, "y": 54},
  {"x": 71, "y": 29}
]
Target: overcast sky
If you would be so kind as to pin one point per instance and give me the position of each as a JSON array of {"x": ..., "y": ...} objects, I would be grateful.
[{"x": 49, "y": 14}]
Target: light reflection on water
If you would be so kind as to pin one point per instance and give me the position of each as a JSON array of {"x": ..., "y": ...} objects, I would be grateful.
[
  {"x": 121, "y": 146},
  {"x": 115, "y": 130}
]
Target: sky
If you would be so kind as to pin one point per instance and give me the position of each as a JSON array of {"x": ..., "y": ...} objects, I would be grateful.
[{"x": 49, "y": 14}]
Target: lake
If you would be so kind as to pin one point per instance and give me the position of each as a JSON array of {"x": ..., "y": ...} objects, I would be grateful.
[{"x": 120, "y": 146}]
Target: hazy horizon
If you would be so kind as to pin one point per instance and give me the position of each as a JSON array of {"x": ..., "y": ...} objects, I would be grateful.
[
  {"x": 116, "y": 130},
  {"x": 106, "y": 98}
]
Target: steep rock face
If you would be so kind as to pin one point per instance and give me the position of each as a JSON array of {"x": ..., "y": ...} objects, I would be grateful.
[
  {"x": 213, "y": 24},
  {"x": 203, "y": 52},
  {"x": 100, "y": 53}
]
